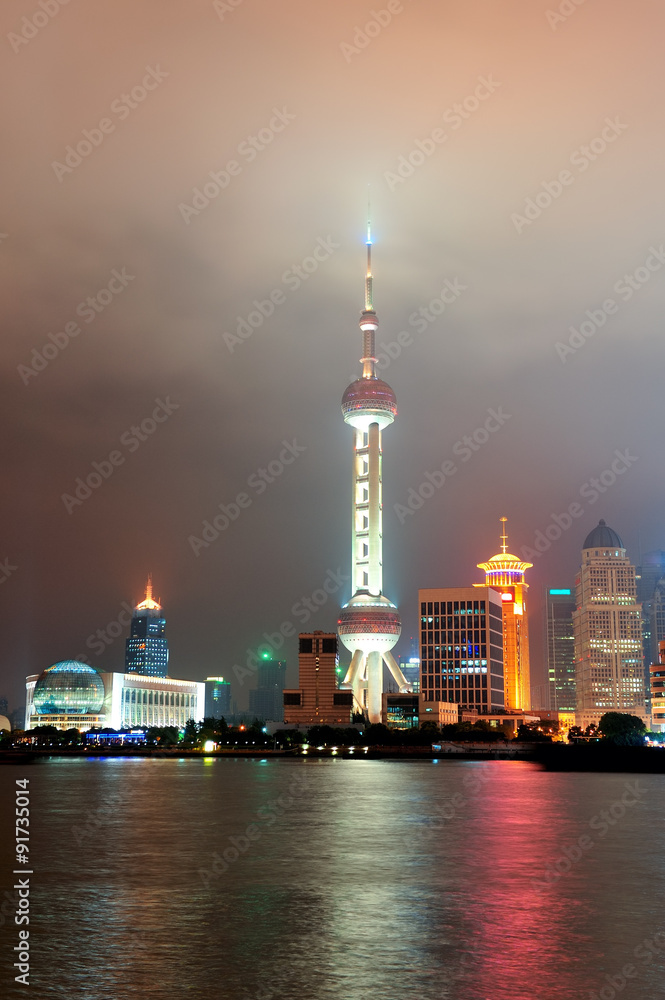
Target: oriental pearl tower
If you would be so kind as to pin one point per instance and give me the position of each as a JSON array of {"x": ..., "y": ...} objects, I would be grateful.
[{"x": 369, "y": 625}]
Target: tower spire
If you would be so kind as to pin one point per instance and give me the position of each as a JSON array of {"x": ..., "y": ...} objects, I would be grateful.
[
  {"x": 369, "y": 304},
  {"x": 504, "y": 536},
  {"x": 369, "y": 322},
  {"x": 148, "y": 588}
]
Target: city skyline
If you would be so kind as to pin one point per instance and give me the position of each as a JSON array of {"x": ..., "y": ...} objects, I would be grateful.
[{"x": 210, "y": 362}]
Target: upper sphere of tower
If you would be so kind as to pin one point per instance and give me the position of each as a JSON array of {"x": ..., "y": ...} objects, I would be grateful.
[
  {"x": 368, "y": 320},
  {"x": 602, "y": 537},
  {"x": 369, "y": 400}
]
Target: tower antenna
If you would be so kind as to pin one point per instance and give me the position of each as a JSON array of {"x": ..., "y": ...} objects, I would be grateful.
[
  {"x": 369, "y": 304},
  {"x": 504, "y": 536}
]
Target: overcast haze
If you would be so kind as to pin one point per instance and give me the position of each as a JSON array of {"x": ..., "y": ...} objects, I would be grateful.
[{"x": 538, "y": 89}]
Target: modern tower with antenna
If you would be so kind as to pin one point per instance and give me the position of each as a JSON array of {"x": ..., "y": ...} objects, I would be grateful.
[{"x": 369, "y": 624}]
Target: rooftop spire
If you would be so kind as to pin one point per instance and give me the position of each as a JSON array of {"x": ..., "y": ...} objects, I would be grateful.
[
  {"x": 149, "y": 604},
  {"x": 369, "y": 323},
  {"x": 369, "y": 305},
  {"x": 504, "y": 536}
]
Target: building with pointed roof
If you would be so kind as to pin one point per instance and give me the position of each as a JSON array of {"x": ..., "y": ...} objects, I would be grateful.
[
  {"x": 504, "y": 573},
  {"x": 147, "y": 649}
]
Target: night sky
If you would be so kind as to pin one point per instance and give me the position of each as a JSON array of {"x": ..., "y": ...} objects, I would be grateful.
[{"x": 516, "y": 163}]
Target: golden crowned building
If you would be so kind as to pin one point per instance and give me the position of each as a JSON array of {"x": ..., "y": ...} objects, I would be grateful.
[{"x": 505, "y": 573}]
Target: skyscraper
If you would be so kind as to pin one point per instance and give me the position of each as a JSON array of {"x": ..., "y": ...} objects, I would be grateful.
[
  {"x": 147, "y": 649},
  {"x": 217, "y": 698},
  {"x": 657, "y": 689},
  {"x": 608, "y": 630},
  {"x": 650, "y": 579},
  {"x": 318, "y": 699},
  {"x": 369, "y": 624},
  {"x": 559, "y": 608},
  {"x": 505, "y": 574},
  {"x": 265, "y": 702},
  {"x": 461, "y": 647}
]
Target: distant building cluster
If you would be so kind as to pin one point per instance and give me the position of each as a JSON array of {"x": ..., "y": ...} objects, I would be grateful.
[{"x": 73, "y": 695}]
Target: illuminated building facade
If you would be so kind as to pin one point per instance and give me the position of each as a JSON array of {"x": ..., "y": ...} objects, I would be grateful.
[
  {"x": 657, "y": 690},
  {"x": 505, "y": 573},
  {"x": 559, "y": 608},
  {"x": 650, "y": 580},
  {"x": 147, "y": 649},
  {"x": 461, "y": 648},
  {"x": 607, "y": 625},
  {"x": 401, "y": 710},
  {"x": 369, "y": 624},
  {"x": 217, "y": 698},
  {"x": 318, "y": 700},
  {"x": 73, "y": 695},
  {"x": 265, "y": 702}
]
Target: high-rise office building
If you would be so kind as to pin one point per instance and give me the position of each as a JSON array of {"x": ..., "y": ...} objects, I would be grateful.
[
  {"x": 559, "y": 608},
  {"x": 461, "y": 647},
  {"x": 369, "y": 624},
  {"x": 318, "y": 700},
  {"x": 607, "y": 625},
  {"x": 657, "y": 689},
  {"x": 217, "y": 698},
  {"x": 265, "y": 702},
  {"x": 650, "y": 579},
  {"x": 505, "y": 573},
  {"x": 147, "y": 649}
]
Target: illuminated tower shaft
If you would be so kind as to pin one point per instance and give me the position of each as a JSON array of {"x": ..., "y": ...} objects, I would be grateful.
[{"x": 369, "y": 625}]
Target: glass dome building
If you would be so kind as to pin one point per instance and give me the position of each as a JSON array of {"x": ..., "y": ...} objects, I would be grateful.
[{"x": 69, "y": 688}]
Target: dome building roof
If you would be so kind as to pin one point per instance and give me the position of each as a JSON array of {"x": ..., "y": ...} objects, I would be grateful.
[
  {"x": 5, "y": 723},
  {"x": 602, "y": 537},
  {"x": 69, "y": 688}
]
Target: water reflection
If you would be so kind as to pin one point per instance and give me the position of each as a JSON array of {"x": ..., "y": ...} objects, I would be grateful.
[{"x": 338, "y": 880}]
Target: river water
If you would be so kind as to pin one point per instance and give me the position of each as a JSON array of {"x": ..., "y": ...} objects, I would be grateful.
[{"x": 337, "y": 880}]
